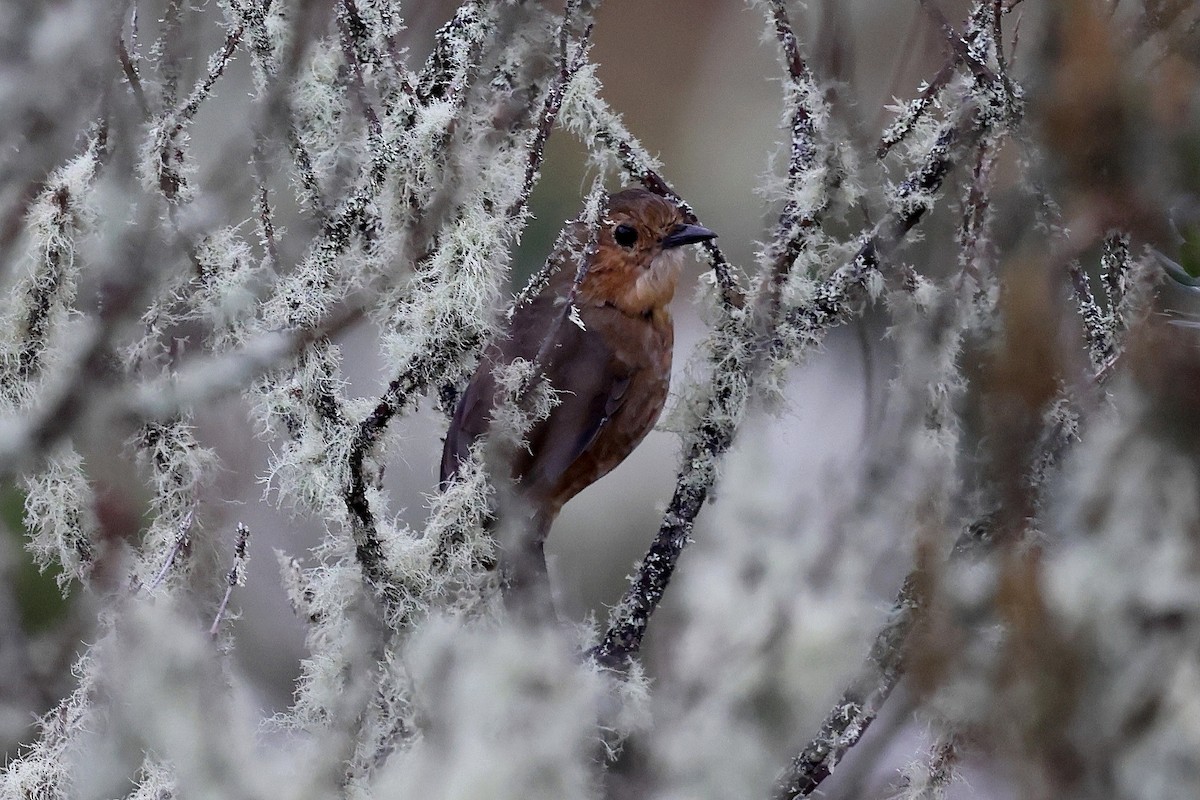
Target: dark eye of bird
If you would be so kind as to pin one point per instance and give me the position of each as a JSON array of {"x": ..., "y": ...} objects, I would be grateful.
[{"x": 625, "y": 235}]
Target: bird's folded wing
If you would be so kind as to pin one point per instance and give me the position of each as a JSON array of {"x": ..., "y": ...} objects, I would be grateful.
[
  {"x": 592, "y": 386},
  {"x": 470, "y": 421},
  {"x": 590, "y": 382}
]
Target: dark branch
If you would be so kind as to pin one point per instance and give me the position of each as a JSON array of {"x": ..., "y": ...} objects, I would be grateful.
[
  {"x": 860, "y": 703},
  {"x": 216, "y": 68},
  {"x": 352, "y": 34},
  {"x": 982, "y": 72},
  {"x": 135, "y": 80},
  {"x": 235, "y": 576},
  {"x": 912, "y": 113},
  {"x": 795, "y": 222}
]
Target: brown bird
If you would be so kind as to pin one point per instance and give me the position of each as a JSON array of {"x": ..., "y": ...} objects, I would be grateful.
[{"x": 610, "y": 363}]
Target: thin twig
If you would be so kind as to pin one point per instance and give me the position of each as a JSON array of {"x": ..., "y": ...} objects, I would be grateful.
[
  {"x": 1115, "y": 265},
  {"x": 982, "y": 72},
  {"x": 859, "y": 703},
  {"x": 135, "y": 80},
  {"x": 972, "y": 239},
  {"x": 1002, "y": 65},
  {"x": 181, "y": 540},
  {"x": 939, "y": 771},
  {"x": 235, "y": 577},
  {"x": 796, "y": 221},
  {"x": 788, "y": 44},
  {"x": 909, "y": 206},
  {"x": 217, "y": 63},
  {"x": 351, "y": 28},
  {"x": 165, "y": 46},
  {"x": 275, "y": 104},
  {"x": 266, "y": 223},
  {"x": 395, "y": 59},
  {"x": 915, "y": 109},
  {"x": 1094, "y": 324},
  {"x": 568, "y": 68},
  {"x": 308, "y": 176}
]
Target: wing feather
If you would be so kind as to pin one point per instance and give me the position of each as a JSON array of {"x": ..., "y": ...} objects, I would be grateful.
[{"x": 592, "y": 385}]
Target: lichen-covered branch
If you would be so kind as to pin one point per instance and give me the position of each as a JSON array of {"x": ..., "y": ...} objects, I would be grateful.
[
  {"x": 235, "y": 577},
  {"x": 192, "y": 243},
  {"x": 860, "y": 702}
]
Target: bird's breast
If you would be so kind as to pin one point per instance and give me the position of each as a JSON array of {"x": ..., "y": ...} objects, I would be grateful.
[
  {"x": 638, "y": 341},
  {"x": 634, "y": 288}
]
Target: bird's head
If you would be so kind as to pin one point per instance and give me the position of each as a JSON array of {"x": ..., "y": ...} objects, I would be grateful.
[{"x": 637, "y": 259}]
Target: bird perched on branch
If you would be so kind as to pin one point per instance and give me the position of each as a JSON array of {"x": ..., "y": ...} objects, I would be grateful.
[{"x": 604, "y": 347}]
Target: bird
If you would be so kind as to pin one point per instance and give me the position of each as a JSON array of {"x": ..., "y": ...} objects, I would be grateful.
[{"x": 608, "y": 358}]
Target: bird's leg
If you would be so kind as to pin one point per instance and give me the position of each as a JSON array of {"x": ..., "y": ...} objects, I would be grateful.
[{"x": 522, "y": 540}]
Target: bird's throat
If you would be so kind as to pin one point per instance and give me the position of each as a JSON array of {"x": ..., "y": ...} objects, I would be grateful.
[{"x": 648, "y": 290}]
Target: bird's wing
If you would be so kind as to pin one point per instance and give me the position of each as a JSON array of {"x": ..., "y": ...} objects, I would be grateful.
[
  {"x": 592, "y": 384},
  {"x": 471, "y": 418},
  {"x": 590, "y": 379},
  {"x": 570, "y": 432},
  {"x": 473, "y": 414}
]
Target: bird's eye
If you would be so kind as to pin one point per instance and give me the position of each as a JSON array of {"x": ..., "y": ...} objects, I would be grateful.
[{"x": 625, "y": 235}]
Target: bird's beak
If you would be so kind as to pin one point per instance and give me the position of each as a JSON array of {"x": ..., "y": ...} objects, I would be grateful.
[{"x": 687, "y": 234}]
